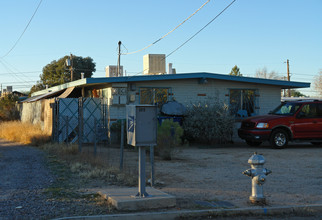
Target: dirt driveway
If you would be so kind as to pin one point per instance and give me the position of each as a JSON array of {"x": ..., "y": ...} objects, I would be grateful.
[
  {"x": 196, "y": 174},
  {"x": 215, "y": 174}
]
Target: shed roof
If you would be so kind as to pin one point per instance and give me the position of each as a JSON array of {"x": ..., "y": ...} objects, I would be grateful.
[
  {"x": 201, "y": 75},
  {"x": 43, "y": 95}
]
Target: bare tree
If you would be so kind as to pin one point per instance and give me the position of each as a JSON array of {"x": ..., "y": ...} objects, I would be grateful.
[
  {"x": 318, "y": 83},
  {"x": 262, "y": 73}
]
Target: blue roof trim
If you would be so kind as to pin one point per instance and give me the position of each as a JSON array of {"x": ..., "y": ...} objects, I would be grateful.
[
  {"x": 143, "y": 78},
  {"x": 199, "y": 76}
]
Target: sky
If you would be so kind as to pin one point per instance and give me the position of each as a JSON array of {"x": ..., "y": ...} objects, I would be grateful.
[{"x": 252, "y": 34}]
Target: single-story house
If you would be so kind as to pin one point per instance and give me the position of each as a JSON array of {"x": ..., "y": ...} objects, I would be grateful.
[
  {"x": 246, "y": 96},
  {"x": 250, "y": 96}
]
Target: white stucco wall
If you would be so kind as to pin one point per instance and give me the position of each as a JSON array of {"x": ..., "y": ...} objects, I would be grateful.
[{"x": 190, "y": 91}]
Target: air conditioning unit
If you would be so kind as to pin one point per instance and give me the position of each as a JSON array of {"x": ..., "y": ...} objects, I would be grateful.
[
  {"x": 111, "y": 71},
  {"x": 119, "y": 96},
  {"x": 154, "y": 64}
]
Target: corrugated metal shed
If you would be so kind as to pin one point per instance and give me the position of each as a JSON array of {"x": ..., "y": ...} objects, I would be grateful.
[{"x": 43, "y": 96}]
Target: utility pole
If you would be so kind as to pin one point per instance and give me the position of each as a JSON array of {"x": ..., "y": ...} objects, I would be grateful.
[
  {"x": 71, "y": 68},
  {"x": 119, "y": 60},
  {"x": 288, "y": 77}
]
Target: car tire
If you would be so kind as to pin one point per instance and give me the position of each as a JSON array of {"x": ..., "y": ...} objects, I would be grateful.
[
  {"x": 253, "y": 143},
  {"x": 279, "y": 139}
]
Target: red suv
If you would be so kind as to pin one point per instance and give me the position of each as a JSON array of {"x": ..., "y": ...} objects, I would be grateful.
[{"x": 295, "y": 120}]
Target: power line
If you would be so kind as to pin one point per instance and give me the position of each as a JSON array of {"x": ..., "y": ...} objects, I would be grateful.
[
  {"x": 21, "y": 73},
  {"x": 201, "y": 29},
  {"x": 5, "y": 83},
  {"x": 6, "y": 64},
  {"x": 13, "y": 74},
  {"x": 168, "y": 32},
  {"x": 193, "y": 35},
  {"x": 23, "y": 30}
]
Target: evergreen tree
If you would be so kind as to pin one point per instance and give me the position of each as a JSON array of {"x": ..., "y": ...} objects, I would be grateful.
[
  {"x": 57, "y": 72},
  {"x": 235, "y": 71}
]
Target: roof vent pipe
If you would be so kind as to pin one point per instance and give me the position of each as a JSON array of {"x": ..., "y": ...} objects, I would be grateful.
[
  {"x": 169, "y": 68},
  {"x": 82, "y": 75}
]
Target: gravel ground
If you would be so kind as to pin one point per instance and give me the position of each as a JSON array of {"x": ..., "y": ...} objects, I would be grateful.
[
  {"x": 34, "y": 185},
  {"x": 215, "y": 174},
  {"x": 28, "y": 190}
]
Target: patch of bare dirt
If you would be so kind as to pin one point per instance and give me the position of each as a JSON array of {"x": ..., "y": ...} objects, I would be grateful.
[{"x": 215, "y": 174}]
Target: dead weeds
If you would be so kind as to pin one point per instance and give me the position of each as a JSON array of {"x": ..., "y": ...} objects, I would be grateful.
[{"x": 24, "y": 133}]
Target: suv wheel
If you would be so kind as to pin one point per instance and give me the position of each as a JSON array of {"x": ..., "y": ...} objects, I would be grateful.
[
  {"x": 279, "y": 138},
  {"x": 253, "y": 143}
]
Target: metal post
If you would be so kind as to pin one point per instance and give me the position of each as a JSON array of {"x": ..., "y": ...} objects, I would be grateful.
[
  {"x": 95, "y": 135},
  {"x": 57, "y": 121},
  {"x": 53, "y": 107},
  {"x": 80, "y": 124},
  {"x": 152, "y": 164},
  {"x": 67, "y": 129},
  {"x": 122, "y": 145},
  {"x": 142, "y": 192}
]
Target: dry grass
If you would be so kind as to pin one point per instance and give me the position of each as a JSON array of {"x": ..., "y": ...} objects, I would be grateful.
[
  {"x": 24, "y": 133},
  {"x": 84, "y": 164},
  {"x": 89, "y": 167}
]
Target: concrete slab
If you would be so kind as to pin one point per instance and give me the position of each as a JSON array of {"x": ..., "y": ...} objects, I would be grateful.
[{"x": 124, "y": 199}]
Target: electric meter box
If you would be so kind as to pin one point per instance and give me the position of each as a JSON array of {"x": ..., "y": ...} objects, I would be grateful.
[{"x": 141, "y": 121}]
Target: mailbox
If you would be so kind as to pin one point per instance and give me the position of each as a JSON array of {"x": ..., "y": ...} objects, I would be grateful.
[{"x": 141, "y": 123}]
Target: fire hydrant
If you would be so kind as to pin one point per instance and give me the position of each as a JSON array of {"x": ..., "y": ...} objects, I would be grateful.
[{"x": 258, "y": 175}]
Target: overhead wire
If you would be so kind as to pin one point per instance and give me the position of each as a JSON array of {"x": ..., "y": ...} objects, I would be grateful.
[
  {"x": 201, "y": 29},
  {"x": 144, "y": 48},
  {"x": 30, "y": 81},
  {"x": 23, "y": 30},
  {"x": 21, "y": 73},
  {"x": 194, "y": 34},
  {"x": 19, "y": 77},
  {"x": 13, "y": 74}
]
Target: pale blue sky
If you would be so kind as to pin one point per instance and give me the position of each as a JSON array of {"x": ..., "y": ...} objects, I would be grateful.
[{"x": 252, "y": 34}]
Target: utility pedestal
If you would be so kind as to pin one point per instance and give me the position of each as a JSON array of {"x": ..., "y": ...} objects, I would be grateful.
[{"x": 141, "y": 132}]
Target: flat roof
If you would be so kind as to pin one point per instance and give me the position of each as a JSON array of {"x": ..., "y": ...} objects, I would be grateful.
[{"x": 201, "y": 75}]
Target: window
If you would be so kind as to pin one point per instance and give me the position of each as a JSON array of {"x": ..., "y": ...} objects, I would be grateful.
[
  {"x": 242, "y": 102},
  {"x": 286, "y": 108},
  {"x": 311, "y": 111},
  {"x": 153, "y": 96}
]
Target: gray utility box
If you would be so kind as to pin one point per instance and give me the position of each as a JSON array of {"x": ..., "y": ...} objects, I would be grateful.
[{"x": 141, "y": 123}]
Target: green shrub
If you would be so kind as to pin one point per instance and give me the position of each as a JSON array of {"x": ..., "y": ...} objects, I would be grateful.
[
  {"x": 116, "y": 131},
  {"x": 8, "y": 110},
  {"x": 169, "y": 137},
  {"x": 209, "y": 122}
]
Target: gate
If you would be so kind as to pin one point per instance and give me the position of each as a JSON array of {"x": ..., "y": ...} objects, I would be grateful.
[{"x": 82, "y": 119}]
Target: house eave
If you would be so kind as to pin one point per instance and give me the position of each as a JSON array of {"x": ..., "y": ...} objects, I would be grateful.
[{"x": 201, "y": 75}]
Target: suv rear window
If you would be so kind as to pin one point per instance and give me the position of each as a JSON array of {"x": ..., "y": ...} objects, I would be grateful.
[{"x": 312, "y": 110}]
